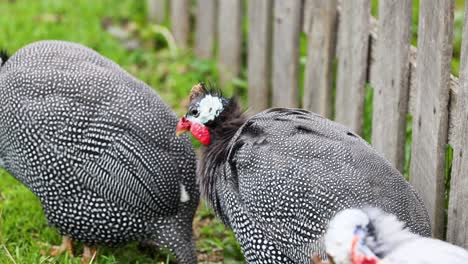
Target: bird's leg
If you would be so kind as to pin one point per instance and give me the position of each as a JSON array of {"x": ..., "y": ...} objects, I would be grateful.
[
  {"x": 89, "y": 253},
  {"x": 65, "y": 246}
]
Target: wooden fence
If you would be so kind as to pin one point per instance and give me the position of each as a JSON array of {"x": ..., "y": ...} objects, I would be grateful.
[{"x": 378, "y": 52}]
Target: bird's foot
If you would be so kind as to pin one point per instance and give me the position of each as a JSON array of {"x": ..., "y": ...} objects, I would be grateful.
[
  {"x": 65, "y": 246},
  {"x": 89, "y": 254}
]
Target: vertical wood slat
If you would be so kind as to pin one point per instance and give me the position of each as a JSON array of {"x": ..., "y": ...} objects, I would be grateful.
[
  {"x": 308, "y": 15},
  {"x": 205, "y": 28},
  {"x": 230, "y": 14},
  {"x": 352, "y": 62},
  {"x": 180, "y": 17},
  {"x": 156, "y": 10},
  {"x": 392, "y": 80},
  {"x": 320, "y": 54},
  {"x": 286, "y": 31},
  {"x": 457, "y": 226},
  {"x": 260, "y": 14},
  {"x": 430, "y": 120}
]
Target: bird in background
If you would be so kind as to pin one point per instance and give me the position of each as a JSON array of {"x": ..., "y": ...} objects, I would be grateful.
[
  {"x": 278, "y": 177},
  {"x": 371, "y": 236},
  {"x": 97, "y": 147}
]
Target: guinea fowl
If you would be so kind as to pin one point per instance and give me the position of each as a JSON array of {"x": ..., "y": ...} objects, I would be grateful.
[
  {"x": 278, "y": 177},
  {"x": 97, "y": 147},
  {"x": 370, "y": 236}
]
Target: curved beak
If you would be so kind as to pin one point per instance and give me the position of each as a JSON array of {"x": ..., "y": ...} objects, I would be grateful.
[{"x": 183, "y": 126}]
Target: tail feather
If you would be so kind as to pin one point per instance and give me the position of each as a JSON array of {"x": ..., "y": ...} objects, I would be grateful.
[{"x": 3, "y": 57}]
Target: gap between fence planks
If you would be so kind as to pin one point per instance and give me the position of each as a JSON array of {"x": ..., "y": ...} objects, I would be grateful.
[
  {"x": 352, "y": 51},
  {"x": 430, "y": 120},
  {"x": 457, "y": 226},
  {"x": 260, "y": 15},
  {"x": 205, "y": 31},
  {"x": 391, "y": 84},
  {"x": 321, "y": 25},
  {"x": 286, "y": 32},
  {"x": 180, "y": 17},
  {"x": 230, "y": 14}
]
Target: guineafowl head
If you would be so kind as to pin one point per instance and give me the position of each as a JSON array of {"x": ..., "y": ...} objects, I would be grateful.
[
  {"x": 213, "y": 120},
  {"x": 208, "y": 110}
]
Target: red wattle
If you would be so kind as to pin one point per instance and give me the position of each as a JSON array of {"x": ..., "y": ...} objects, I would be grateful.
[
  {"x": 201, "y": 133},
  {"x": 183, "y": 125}
]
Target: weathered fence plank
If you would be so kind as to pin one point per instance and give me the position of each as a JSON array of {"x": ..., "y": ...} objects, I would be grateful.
[
  {"x": 320, "y": 54},
  {"x": 352, "y": 62},
  {"x": 260, "y": 15},
  {"x": 180, "y": 17},
  {"x": 457, "y": 226},
  {"x": 392, "y": 81},
  {"x": 430, "y": 120},
  {"x": 230, "y": 14},
  {"x": 286, "y": 30},
  {"x": 156, "y": 10},
  {"x": 205, "y": 28}
]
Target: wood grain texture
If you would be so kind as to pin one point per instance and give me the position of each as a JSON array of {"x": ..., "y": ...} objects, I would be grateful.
[
  {"x": 156, "y": 10},
  {"x": 392, "y": 81},
  {"x": 320, "y": 54},
  {"x": 307, "y": 14},
  {"x": 430, "y": 120},
  {"x": 352, "y": 62},
  {"x": 260, "y": 17},
  {"x": 205, "y": 31},
  {"x": 457, "y": 226},
  {"x": 230, "y": 15},
  {"x": 286, "y": 29},
  {"x": 180, "y": 17}
]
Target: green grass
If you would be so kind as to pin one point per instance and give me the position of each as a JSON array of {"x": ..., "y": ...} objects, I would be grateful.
[{"x": 24, "y": 231}]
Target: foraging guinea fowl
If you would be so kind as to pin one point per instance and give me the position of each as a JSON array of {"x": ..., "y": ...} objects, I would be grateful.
[
  {"x": 98, "y": 148},
  {"x": 278, "y": 177},
  {"x": 370, "y": 236}
]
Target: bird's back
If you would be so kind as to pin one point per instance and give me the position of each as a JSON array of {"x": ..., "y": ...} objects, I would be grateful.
[
  {"x": 75, "y": 123},
  {"x": 293, "y": 170}
]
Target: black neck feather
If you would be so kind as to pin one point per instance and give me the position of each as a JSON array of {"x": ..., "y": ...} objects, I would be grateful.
[{"x": 222, "y": 129}]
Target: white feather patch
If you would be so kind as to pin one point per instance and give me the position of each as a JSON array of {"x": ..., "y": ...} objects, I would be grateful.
[
  {"x": 340, "y": 233},
  {"x": 184, "y": 196},
  {"x": 208, "y": 109}
]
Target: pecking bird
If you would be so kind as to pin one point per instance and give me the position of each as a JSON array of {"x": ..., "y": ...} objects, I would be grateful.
[
  {"x": 278, "y": 177},
  {"x": 371, "y": 236},
  {"x": 97, "y": 147}
]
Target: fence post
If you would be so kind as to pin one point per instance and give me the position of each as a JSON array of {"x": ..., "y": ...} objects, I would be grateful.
[
  {"x": 457, "y": 226},
  {"x": 230, "y": 14},
  {"x": 205, "y": 28},
  {"x": 260, "y": 14},
  {"x": 180, "y": 21},
  {"x": 391, "y": 81},
  {"x": 430, "y": 120},
  {"x": 322, "y": 17},
  {"x": 353, "y": 43},
  {"x": 156, "y": 10},
  {"x": 285, "y": 73}
]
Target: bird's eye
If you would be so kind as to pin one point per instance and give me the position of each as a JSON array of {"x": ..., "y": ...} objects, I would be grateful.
[{"x": 194, "y": 112}]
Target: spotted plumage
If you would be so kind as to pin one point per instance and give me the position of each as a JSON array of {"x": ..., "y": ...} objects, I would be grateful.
[
  {"x": 98, "y": 147},
  {"x": 278, "y": 177}
]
